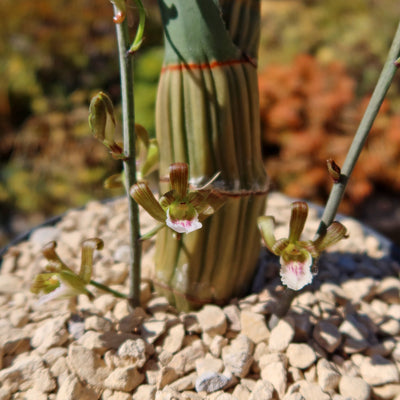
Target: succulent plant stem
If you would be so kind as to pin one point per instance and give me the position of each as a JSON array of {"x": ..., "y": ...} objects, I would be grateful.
[
  {"x": 207, "y": 115},
  {"x": 128, "y": 128},
  {"x": 360, "y": 137}
]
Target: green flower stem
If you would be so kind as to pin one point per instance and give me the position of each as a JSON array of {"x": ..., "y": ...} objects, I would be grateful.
[
  {"x": 377, "y": 98},
  {"x": 128, "y": 123},
  {"x": 109, "y": 290}
]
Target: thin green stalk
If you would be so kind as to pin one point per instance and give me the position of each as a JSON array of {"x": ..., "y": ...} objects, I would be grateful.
[
  {"x": 377, "y": 98},
  {"x": 128, "y": 127},
  {"x": 140, "y": 30},
  {"x": 109, "y": 290}
]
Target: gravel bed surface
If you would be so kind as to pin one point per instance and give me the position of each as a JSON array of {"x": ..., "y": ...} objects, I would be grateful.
[{"x": 340, "y": 339}]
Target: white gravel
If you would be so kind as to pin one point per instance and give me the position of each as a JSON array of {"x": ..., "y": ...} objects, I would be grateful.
[{"x": 340, "y": 339}]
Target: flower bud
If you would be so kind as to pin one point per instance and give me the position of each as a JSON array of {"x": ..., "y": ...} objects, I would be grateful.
[
  {"x": 334, "y": 170},
  {"x": 100, "y": 108}
]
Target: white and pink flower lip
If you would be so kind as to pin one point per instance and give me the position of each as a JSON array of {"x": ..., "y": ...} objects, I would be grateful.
[
  {"x": 184, "y": 225},
  {"x": 296, "y": 256},
  {"x": 180, "y": 209},
  {"x": 296, "y": 274}
]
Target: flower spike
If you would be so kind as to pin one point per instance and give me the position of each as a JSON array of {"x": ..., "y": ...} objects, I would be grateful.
[{"x": 296, "y": 257}]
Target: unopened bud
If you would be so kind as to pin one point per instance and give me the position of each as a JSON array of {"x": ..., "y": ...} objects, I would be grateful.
[
  {"x": 100, "y": 108},
  {"x": 333, "y": 170}
]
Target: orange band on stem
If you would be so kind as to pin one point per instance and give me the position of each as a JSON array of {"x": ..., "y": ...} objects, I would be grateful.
[{"x": 206, "y": 65}]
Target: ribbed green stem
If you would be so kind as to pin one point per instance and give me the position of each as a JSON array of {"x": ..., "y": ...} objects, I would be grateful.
[
  {"x": 360, "y": 137},
  {"x": 128, "y": 128},
  {"x": 207, "y": 115}
]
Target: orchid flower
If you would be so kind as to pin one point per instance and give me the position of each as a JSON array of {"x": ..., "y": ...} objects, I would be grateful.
[
  {"x": 61, "y": 282},
  {"x": 296, "y": 256},
  {"x": 181, "y": 209}
]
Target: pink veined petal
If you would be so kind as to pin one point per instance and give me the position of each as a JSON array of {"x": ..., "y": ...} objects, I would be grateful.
[
  {"x": 296, "y": 274},
  {"x": 184, "y": 225}
]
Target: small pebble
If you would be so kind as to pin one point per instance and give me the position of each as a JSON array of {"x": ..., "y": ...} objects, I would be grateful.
[
  {"x": 377, "y": 370},
  {"x": 327, "y": 336},
  {"x": 211, "y": 381},
  {"x": 354, "y": 387},
  {"x": 212, "y": 320},
  {"x": 281, "y": 335},
  {"x": 300, "y": 355}
]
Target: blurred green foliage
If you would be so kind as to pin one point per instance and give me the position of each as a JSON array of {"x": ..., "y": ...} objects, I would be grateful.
[{"x": 54, "y": 56}]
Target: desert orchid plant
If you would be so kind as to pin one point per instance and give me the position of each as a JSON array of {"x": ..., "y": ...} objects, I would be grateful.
[{"x": 207, "y": 128}]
